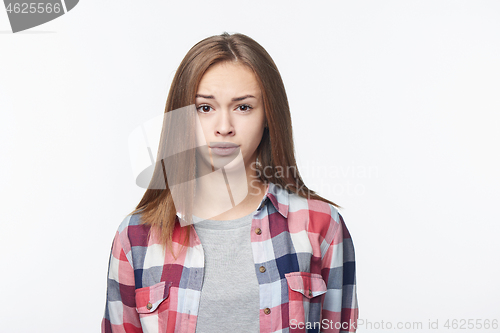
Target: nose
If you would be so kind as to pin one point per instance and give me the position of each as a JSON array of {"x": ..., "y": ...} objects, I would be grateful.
[{"x": 224, "y": 124}]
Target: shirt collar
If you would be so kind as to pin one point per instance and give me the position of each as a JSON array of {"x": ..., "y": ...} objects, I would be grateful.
[{"x": 278, "y": 197}]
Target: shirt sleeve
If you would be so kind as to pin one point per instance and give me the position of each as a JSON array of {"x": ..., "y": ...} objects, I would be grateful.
[
  {"x": 120, "y": 313},
  {"x": 340, "y": 306}
]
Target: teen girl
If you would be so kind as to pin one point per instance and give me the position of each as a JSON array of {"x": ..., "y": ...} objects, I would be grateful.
[{"x": 227, "y": 237}]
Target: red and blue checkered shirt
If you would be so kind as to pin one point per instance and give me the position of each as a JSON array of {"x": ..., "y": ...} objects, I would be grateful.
[{"x": 304, "y": 262}]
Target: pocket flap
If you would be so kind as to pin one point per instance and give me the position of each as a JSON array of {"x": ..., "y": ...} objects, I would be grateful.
[
  {"x": 308, "y": 284},
  {"x": 148, "y": 299}
]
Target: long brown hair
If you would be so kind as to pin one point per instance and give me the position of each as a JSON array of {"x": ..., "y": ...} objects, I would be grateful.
[{"x": 275, "y": 151}]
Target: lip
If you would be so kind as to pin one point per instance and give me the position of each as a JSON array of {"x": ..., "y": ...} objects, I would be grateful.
[
  {"x": 223, "y": 145},
  {"x": 224, "y": 148}
]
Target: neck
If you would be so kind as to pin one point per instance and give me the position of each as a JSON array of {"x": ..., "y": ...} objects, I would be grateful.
[{"x": 227, "y": 194}]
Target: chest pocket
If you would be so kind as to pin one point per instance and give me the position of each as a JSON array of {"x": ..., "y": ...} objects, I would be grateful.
[
  {"x": 152, "y": 304},
  {"x": 304, "y": 300}
]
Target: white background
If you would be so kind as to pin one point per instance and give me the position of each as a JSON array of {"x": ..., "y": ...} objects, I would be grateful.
[{"x": 395, "y": 108}]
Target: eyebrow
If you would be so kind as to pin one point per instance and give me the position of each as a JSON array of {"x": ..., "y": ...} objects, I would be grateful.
[{"x": 235, "y": 99}]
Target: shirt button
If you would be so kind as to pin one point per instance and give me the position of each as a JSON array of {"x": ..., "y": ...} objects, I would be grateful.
[
  {"x": 258, "y": 231},
  {"x": 267, "y": 311},
  {"x": 310, "y": 292},
  {"x": 149, "y": 306},
  {"x": 262, "y": 269}
]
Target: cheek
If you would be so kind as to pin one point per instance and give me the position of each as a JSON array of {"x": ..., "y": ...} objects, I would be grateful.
[
  {"x": 200, "y": 135},
  {"x": 200, "y": 140},
  {"x": 255, "y": 136}
]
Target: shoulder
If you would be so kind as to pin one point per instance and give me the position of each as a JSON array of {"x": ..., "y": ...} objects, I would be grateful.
[
  {"x": 317, "y": 216},
  {"x": 132, "y": 232}
]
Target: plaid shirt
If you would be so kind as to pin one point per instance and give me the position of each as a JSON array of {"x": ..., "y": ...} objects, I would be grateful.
[{"x": 304, "y": 262}]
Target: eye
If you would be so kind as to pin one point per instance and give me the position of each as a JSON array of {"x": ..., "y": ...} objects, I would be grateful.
[
  {"x": 204, "y": 108},
  {"x": 245, "y": 107}
]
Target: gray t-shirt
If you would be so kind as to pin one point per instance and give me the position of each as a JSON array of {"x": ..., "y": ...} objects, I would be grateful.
[{"x": 230, "y": 292}]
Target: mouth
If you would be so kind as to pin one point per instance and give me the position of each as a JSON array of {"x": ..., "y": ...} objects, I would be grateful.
[
  {"x": 224, "y": 148},
  {"x": 223, "y": 145}
]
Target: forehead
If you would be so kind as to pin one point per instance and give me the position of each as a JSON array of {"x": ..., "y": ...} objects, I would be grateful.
[{"x": 232, "y": 78}]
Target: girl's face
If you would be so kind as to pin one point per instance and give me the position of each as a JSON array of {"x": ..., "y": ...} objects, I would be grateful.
[{"x": 230, "y": 109}]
